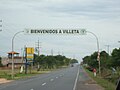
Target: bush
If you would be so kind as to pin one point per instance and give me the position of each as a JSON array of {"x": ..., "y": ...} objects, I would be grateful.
[{"x": 89, "y": 68}]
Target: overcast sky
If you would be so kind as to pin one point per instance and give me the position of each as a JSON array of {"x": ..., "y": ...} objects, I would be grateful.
[{"x": 101, "y": 17}]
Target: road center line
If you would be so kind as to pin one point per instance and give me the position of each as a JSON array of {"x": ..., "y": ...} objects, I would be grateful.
[
  {"x": 31, "y": 89},
  {"x": 76, "y": 80},
  {"x": 43, "y": 84},
  {"x": 51, "y": 79}
]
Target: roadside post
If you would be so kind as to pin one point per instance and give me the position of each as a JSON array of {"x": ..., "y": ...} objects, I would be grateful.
[
  {"x": 29, "y": 58},
  {"x": 13, "y": 52},
  {"x": 98, "y": 56},
  {"x": 94, "y": 72}
]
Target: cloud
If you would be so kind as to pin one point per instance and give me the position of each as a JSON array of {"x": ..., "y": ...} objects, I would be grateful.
[{"x": 92, "y": 9}]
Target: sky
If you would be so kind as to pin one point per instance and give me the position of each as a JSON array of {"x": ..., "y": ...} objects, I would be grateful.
[{"x": 102, "y": 17}]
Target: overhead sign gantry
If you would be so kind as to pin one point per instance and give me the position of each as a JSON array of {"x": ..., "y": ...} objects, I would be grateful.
[
  {"x": 52, "y": 32},
  {"x": 56, "y": 31}
]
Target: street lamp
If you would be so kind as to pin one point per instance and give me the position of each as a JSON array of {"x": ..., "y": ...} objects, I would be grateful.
[
  {"x": 98, "y": 56},
  {"x": 13, "y": 52}
]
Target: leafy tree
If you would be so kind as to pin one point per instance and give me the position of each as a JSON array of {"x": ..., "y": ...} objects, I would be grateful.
[
  {"x": 93, "y": 60},
  {"x": 67, "y": 61},
  {"x": 116, "y": 58},
  {"x": 104, "y": 59},
  {"x": 49, "y": 62},
  {"x": 86, "y": 60},
  {"x": 73, "y": 61},
  {"x": 0, "y": 61}
]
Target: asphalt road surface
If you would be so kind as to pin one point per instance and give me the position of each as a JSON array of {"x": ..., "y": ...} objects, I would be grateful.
[
  {"x": 64, "y": 79},
  {"x": 71, "y": 78}
]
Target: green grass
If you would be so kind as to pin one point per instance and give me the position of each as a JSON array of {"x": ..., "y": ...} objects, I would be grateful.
[
  {"x": 102, "y": 82},
  {"x": 33, "y": 73},
  {"x": 7, "y": 74}
]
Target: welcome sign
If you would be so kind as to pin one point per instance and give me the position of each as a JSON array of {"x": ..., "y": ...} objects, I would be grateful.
[{"x": 56, "y": 31}]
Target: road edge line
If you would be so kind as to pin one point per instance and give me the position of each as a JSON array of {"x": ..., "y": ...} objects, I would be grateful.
[{"x": 75, "y": 84}]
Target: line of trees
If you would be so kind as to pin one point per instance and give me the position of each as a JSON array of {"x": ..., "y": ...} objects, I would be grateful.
[
  {"x": 110, "y": 64},
  {"x": 52, "y": 62},
  {"x": 107, "y": 61}
]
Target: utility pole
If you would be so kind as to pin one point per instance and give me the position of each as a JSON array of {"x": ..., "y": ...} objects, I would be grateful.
[
  {"x": 58, "y": 52},
  {"x": 38, "y": 50},
  {"x": 52, "y": 52},
  {"x": 38, "y": 47},
  {"x": 62, "y": 53},
  {"x": 108, "y": 48},
  {"x": 74, "y": 56}
]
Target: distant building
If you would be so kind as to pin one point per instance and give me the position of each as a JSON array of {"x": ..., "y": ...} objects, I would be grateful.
[{"x": 18, "y": 61}]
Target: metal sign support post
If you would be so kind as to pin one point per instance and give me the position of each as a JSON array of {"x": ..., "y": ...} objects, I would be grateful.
[
  {"x": 98, "y": 56},
  {"x": 26, "y": 63},
  {"x": 13, "y": 53}
]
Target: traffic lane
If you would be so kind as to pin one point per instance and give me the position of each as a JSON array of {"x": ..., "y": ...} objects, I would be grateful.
[
  {"x": 38, "y": 82},
  {"x": 28, "y": 82},
  {"x": 37, "y": 77},
  {"x": 66, "y": 82}
]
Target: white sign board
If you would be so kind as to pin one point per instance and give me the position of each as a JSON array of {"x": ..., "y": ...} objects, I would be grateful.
[{"x": 56, "y": 31}]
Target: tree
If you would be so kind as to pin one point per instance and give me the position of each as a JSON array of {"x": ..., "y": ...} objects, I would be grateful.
[
  {"x": 94, "y": 63},
  {"x": 1, "y": 61},
  {"x": 105, "y": 59},
  {"x": 50, "y": 62},
  {"x": 91, "y": 60},
  {"x": 67, "y": 61},
  {"x": 116, "y": 58},
  {"x": 86, "y": 60},
  {"x": 73, "y": 61}
]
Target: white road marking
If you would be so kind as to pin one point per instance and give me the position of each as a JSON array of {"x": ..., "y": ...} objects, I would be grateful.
[
  {"x": 51, "y": 79},
  {"x": 61, "y": 75},
  {"x": 31, "y": 89},
  {"x": 43, "y": 84},
  {"x": 76, "y": 80}
]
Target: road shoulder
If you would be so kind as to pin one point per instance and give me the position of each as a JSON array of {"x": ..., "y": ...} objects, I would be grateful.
[
  {"x": 85, "y": 82},
  {"x": 3, "y": 81}
]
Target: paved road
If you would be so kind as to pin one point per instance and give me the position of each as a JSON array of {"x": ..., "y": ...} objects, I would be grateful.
[
  {"x": 72, "y": 78},
  {"x": 64, "y": 79}
]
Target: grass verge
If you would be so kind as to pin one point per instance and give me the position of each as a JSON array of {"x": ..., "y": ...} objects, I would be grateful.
[
  {"x": 7, "y": 73},
  {"x": 102, "y": 82}
]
